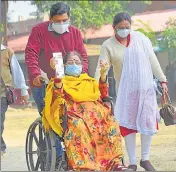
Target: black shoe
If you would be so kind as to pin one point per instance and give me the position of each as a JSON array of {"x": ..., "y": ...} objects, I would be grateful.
[
  {"x": 132, "y": 167},
  {"x": 147, "y": 165}
]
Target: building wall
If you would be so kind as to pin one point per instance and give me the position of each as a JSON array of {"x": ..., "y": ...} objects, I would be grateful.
[
  {"x": 97, "y": 41},
  {"x": 22, "y": 27}
]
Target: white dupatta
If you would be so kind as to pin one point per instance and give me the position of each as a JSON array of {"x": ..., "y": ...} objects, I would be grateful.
[{"x": 136, "y": 104}]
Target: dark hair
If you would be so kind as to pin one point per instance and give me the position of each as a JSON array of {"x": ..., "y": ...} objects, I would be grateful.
[
  {"x": 59, "y": 9},
  {"x": 72, "y": 53},
  {"x": 121, "y": 17}
]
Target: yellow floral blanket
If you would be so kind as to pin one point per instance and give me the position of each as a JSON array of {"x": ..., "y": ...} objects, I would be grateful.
[{"x": 79, "y": 89}]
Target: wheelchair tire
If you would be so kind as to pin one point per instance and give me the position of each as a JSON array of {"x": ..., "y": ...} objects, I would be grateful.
[{"x": 41, "y": 148}]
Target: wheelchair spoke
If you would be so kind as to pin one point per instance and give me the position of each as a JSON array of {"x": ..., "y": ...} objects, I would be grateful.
[
  {"x": 44, "y": 151},
  {"x": 37, "y": 164},
  {"x": 43, "y": 144},
  {"x": 33, "y": 152},
  {"x": 40, "y": 148},
  {"x": 40, "y": 135},
  {"x": 36, "y": 139},
  {"x": 43, "y": 166},
  {"x": 43, "y": 161},
  {"x": 43, "y": 158}
]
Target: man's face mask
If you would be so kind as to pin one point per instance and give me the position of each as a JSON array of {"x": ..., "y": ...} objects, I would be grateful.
[
  {"x": 61, "y": 28},
  {"x": 123, "y": 33},
  {"x": 73, "y": 69}
]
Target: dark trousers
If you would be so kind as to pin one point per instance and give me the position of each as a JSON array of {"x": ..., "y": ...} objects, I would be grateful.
[
  {"x": 3, "y": 108},
  {"x": 38, "y": 95}
]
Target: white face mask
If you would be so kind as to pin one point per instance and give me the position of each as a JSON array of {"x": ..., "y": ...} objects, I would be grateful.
[
  {"x": 123, "y": 33},
  {"x": 60, "y": 28}
]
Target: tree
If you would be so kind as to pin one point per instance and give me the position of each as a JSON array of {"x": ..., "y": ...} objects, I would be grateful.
[
  {"x": 4, "y": 23},
  {"x": 169, "y": 34},
  {"x": 169, "y": 38},
  {"x": 3, "y": 26},
  {"x": 147, "y": 30},
  {"x": 88, "y": 14}
]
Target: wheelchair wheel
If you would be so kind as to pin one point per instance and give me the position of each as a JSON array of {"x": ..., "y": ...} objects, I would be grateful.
[{"x": 40, "y": 148}]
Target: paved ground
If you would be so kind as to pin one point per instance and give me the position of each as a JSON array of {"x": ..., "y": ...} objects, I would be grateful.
[{"x": 163, "y": 151}]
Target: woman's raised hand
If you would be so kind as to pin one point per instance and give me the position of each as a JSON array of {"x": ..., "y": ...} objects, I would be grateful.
[
  {"x": 104, "y": 67},
  {"x": 103, "y": 71}
]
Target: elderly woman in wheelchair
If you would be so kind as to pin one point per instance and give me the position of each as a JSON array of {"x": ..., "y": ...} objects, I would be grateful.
[{"x": 92, "y": 139}]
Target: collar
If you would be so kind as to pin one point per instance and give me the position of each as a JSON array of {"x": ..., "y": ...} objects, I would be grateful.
[
  {"x": 128, "y": 39},
  {"x": 3, "y": 47},
  {"x": 50, "y": 29}
]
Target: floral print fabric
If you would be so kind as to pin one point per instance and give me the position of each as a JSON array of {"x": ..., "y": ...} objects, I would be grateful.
[{"x": 92, "y": 139}]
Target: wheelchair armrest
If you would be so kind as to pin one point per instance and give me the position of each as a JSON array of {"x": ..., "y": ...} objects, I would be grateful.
[{"x": 107, "y": 99}]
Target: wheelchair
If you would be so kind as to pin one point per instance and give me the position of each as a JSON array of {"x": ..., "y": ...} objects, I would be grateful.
[{"x": 40, "y": 146}]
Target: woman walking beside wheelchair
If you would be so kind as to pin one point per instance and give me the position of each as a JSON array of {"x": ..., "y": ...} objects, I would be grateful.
[
  {"x": 92, "y": 138},
  {"x": 136, "y": 106}
]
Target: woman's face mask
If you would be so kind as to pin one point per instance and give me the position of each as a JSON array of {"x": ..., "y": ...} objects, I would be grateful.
[
  {"x": 123, "y": 33},
  {"x": 73, "y": 69},
  {"x": 61, "y": 28}
]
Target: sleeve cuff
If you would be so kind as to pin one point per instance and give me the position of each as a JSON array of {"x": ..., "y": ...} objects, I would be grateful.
[
  {"x": 33, "y": 76},
  {"x": 24, "y": 92},
  {"x": 164, "y": 82},
  {"x": 56, "y": 88},
  {"x": 104, "y": 81}
]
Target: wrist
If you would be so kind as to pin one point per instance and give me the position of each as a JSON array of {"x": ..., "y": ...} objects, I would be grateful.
[
  {"x": 163, "y": 82},
  {"x": 103, "y": 79},
  {"x": 34, "y": 76},
  {"x": 24, "y": 92},
  {"x": 57, "y": 80},
  {"x": 57, "y": 83},
  {"x": 58, "y": 86},
  {"x": 103, "y": 74}
]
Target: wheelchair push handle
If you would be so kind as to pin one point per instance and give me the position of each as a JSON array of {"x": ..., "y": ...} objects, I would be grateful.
[{"x": 109, "y": 99}]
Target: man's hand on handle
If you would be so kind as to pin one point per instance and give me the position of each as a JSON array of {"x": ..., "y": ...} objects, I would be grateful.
[{"x": 38, "y": 81}]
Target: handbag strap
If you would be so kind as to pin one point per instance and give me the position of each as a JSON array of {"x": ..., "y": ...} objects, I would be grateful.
[
  {"x": 165, "y": 99},
  {"x": 168, "y": 98}
]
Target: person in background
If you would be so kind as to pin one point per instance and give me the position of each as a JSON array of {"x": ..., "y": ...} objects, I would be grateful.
[
  {"x": 134, "y": 63},
  {"x": 55, "y": 35},
  {"x": 11, "y": 73}
]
